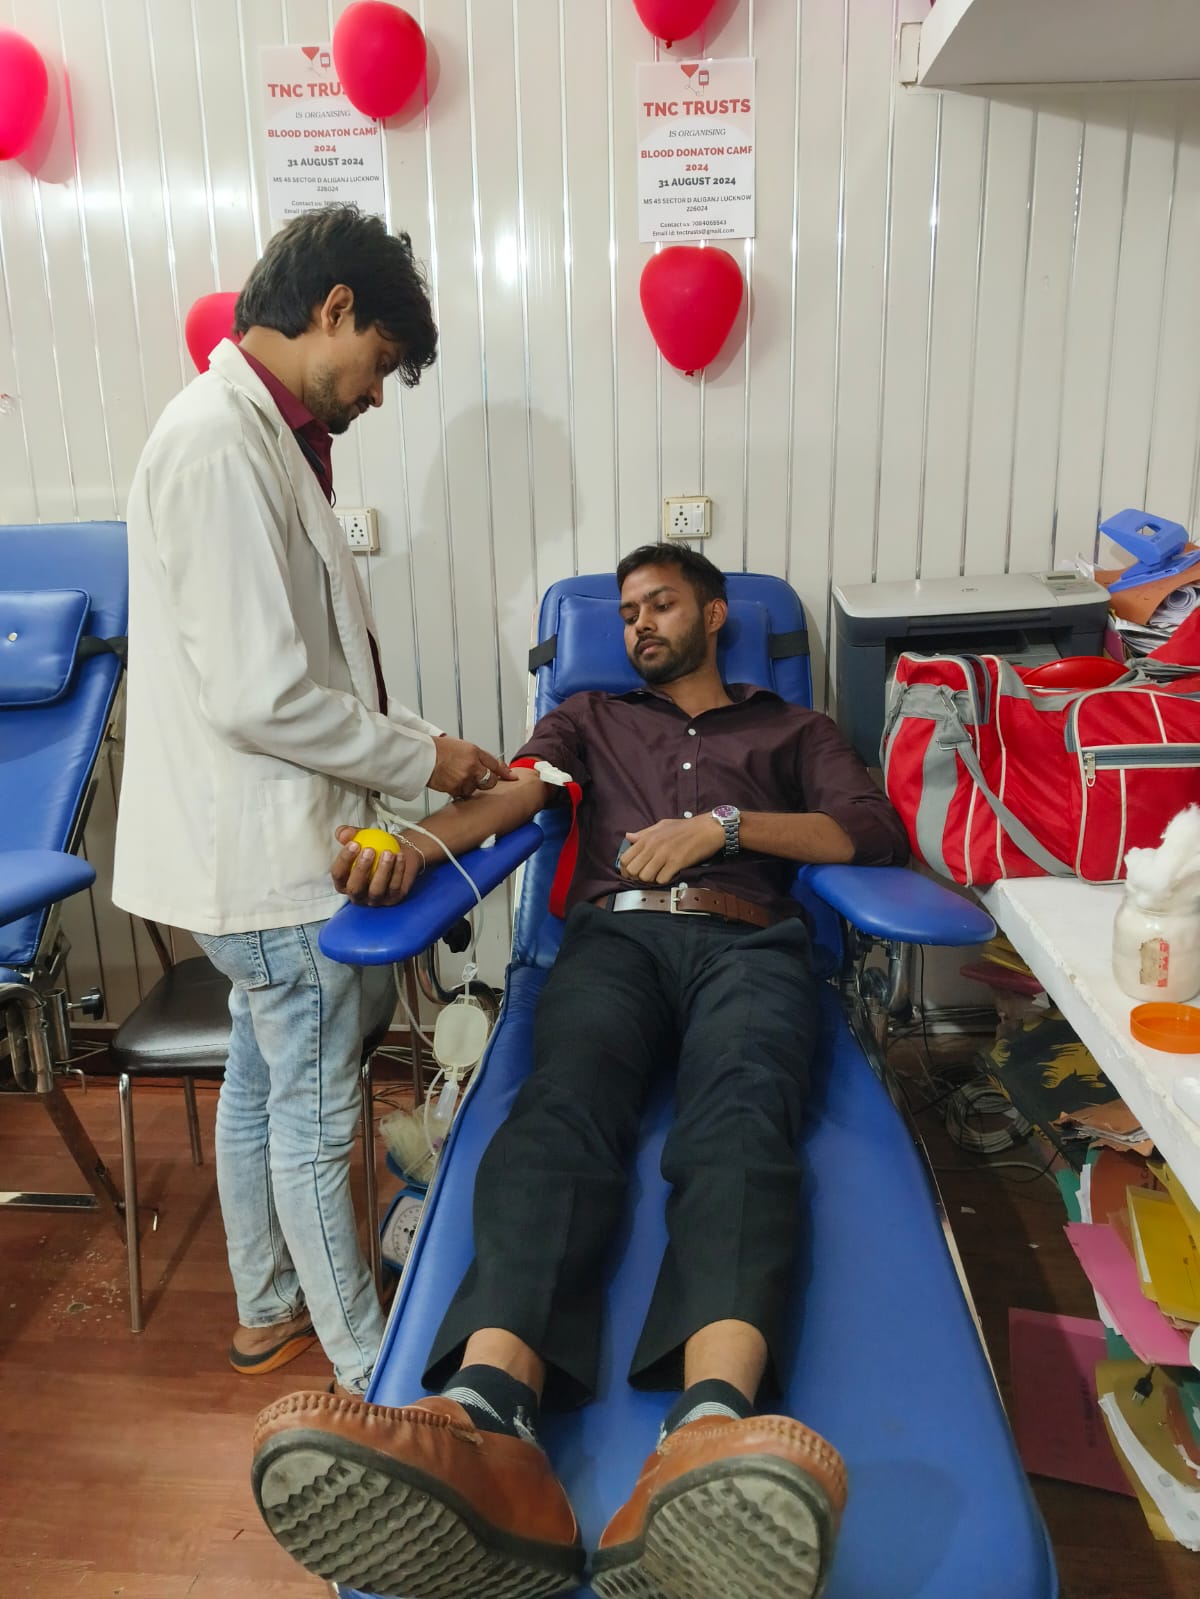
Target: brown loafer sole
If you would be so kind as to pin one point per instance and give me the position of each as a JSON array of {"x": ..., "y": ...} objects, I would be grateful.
[
  {"x": 734, "y": 1529},
  {"x": 357, "y": 1516}
]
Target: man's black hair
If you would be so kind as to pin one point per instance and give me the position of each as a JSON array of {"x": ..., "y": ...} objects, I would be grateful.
[
  {"x": 339, "y": 244},
  {"x": 707, "y": 580}
]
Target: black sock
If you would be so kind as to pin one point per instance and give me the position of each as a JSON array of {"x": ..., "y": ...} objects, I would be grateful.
[
  {"x": 712, "y": 1397},
  {"x": 495, "y": 1401}
]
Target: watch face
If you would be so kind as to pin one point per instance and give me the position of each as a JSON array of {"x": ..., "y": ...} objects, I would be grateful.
[{"x": 725, "y": 813}]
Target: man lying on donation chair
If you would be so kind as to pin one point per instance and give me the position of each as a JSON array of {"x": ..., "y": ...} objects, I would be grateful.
[{"x": 711, "y": 792}]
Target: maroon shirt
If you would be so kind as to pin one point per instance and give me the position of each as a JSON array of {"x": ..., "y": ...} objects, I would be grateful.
[
  {"x": 640, "y": 759},
  {"x": 316, "y": 445}
]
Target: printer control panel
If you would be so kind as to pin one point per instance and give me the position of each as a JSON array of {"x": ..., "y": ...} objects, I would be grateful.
[{"x": 1067, "y": 585}]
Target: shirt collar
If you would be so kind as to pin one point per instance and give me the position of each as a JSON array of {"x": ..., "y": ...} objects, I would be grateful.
[
  {"x": 739, "y": 693},
  {"x": 293, "y": 411}
]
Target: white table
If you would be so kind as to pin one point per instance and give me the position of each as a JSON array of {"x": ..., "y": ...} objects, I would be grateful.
[{"x": 1063, "y": 930}]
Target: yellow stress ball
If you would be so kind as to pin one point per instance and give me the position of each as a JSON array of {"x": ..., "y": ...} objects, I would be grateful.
[{"x": 375, "y": 838}]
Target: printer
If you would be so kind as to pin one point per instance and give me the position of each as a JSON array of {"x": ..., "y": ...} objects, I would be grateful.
[{"x": 1027, "y": 617}]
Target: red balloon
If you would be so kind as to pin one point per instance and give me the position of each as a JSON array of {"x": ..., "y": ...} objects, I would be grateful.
[
  {"x": 208, "y": 322},
  {"x": 379, "y": 53},
  {"x": 690, "y": 298},
  {"x": 24, "y": 86},
  {"x": 673, "y": 19}
]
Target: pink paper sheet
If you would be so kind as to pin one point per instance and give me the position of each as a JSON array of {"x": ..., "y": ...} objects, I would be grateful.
[
  {"x": 1059, "y": 1429},
  {"x": 1112, "y": 1273}
]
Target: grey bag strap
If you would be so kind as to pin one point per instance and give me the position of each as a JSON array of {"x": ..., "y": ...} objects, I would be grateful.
[{"x": 1037, "y": 852}]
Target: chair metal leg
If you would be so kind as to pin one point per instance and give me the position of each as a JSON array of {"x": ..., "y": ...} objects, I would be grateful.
[
  {"x": 133, "y": 1244},
  {"x": 193, "y": 1120},
  {"x": 374, "y": 1247}
]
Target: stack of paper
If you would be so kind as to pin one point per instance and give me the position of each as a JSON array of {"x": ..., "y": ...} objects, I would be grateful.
[
  {"x": 1157, "y": 1447},
  {"x": 1168, "y": 1266}
]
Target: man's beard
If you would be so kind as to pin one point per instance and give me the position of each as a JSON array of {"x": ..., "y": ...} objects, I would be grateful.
[
  {"x": 322, "y": 400},
  {"x": 669, "y": 662}
]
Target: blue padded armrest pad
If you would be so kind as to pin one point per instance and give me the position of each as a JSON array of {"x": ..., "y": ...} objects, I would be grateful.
[
  {"x": 885, "y": 1362},
  {"x": 32, "y": 879},
  {"x": 369, "y": 935},
  {"x": 40, "y": 631},
  {"x": 892, "y": 902}
]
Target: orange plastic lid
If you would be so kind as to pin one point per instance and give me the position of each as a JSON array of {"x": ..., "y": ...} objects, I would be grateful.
[{"x": 1175, "y": 1028}]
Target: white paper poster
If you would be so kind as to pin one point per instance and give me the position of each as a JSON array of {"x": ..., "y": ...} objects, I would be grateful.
[
  {"x": 320, "y": 150},
  {"x": 695, "y": 150}
]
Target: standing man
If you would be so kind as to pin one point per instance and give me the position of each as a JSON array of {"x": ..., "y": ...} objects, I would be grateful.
[{"x": 257, "y": 720}]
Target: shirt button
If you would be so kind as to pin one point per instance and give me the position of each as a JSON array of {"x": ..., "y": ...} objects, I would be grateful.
[
  {"x": 691, "y": 732},
  {"x": 687, "y": 814},
  {"x": 687, "y": 766}
]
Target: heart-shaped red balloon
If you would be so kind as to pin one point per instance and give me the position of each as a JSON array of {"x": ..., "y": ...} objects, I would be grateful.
[
  {"x": 379, "y": 53},
  {"x": 673, "y": 19},
  {"x": 690, "y": 298},
  {"x": 208, "y": 322},
  {"x": 24, "y": 87}
]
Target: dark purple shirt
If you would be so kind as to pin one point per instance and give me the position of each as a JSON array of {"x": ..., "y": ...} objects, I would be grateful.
[{"x": 640, "y": 760}]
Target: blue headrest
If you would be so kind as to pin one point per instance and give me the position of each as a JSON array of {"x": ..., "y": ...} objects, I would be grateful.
[
  {"x": 39, "y": 635},
  {"x": 580, "y": 615},
  {"x": 591, "y": 647}
]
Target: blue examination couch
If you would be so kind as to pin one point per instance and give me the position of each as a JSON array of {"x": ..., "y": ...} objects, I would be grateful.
[
  {"x": 63, "y": 595},
  {"x": 886, "y": 1363}
]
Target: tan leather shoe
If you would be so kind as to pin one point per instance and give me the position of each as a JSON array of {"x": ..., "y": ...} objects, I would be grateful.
[
  {"x": 727, "y": 1509},
  {"x": 415, "y": 1501}
]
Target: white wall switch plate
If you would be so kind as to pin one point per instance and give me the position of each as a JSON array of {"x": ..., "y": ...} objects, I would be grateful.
[
  {"x": 361, "y": 528},
  {"x": 687, "y": 517}
]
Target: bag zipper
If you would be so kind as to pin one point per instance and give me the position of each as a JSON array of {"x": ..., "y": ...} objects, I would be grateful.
[{"x": 1116, "y": 755}]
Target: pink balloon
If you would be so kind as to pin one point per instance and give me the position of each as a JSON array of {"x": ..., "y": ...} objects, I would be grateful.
[
  {"x": 690, "y": 298},
  {"x": 379, "y": 53},
  {"x": 208, "y": 322},
  {"x": 673, "y": 19},
  {"x": 24, "y": 86}
]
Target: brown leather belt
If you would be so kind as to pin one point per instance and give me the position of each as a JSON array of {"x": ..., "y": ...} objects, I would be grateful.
[{"x": 685, "y": 901}]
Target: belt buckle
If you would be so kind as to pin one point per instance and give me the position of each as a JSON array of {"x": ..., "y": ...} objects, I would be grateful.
[{"x": 676, "y": 908}]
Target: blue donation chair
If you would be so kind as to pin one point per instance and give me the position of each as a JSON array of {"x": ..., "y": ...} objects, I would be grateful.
[
  {"x": 887, "y": 1360},
  {"x": 63, "y": 595}
]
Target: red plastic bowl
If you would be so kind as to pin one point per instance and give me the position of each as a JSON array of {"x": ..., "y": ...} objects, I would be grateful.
[{"x": 1076, "y": 672}]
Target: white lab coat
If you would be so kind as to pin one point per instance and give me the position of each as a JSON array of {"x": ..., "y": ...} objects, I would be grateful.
[{"x": 251, "y": 728}]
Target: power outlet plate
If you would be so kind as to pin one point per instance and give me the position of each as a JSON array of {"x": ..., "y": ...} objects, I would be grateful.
[
  {"x": 687, "y": 517},
  {"x": 361, "y": 528}
]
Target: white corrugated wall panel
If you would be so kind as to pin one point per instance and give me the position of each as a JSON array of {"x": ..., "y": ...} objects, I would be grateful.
[{"x": 970, "y": 326}]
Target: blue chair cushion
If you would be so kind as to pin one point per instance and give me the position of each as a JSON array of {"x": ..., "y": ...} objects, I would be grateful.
[
  {"x": 886, "y": 1363},
  {"x": 48, "y": 752},
  {"x": 40, "y": 631}
]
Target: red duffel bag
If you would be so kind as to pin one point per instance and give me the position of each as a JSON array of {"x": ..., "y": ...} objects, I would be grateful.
[{"x": 995, "y": 777}]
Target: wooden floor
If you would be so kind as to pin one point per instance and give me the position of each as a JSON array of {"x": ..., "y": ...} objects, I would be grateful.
[{"x": 125, "y": 1458}]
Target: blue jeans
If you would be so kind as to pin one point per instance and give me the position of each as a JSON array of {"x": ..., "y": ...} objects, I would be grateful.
[{"x": 286, "y": 1123}]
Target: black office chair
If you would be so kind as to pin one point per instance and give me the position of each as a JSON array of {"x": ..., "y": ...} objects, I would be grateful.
[{"x": 181, "y": 1029}]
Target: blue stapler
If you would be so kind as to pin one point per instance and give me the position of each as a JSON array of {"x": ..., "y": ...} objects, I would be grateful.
[{"x": 1157, "y": 545}]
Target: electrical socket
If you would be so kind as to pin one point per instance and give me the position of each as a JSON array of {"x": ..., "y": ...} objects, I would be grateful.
[
  {"x": 687, "y": 517},
  {"x": 361, "y": 528}
]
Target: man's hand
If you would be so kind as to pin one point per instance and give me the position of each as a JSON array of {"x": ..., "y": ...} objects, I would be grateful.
[
  {"x": 464, "y": 769},
  {"x": 355, "y": 873},
  {"x": 658, "y": 854}
]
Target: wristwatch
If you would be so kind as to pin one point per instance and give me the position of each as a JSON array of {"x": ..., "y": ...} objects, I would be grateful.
[{"x": 730, "y": 819}]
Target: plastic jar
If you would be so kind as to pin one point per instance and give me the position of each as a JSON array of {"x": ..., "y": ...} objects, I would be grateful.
[{"x": 1156, "y": 953}]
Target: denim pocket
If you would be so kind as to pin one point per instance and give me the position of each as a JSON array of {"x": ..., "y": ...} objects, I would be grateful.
[{"x": 238, "y": 956}]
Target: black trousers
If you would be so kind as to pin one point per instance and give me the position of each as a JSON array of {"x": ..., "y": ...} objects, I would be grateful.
[{"x": 732, "y": 1009}]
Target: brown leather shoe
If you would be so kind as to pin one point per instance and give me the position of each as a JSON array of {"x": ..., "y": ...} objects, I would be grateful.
[
  {"x": 727, "y": 1509},
  {"x": 415, "y": 1502}
]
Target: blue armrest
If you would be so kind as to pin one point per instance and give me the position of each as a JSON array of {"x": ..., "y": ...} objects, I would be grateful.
[
  {"x": 31, "y": 879},
  {"x": 892, "y": 902},
  {"x": 367, "y": 935}
]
